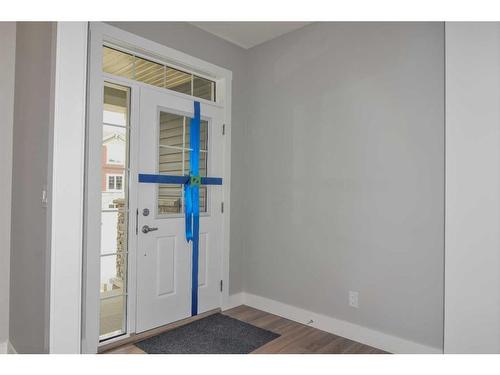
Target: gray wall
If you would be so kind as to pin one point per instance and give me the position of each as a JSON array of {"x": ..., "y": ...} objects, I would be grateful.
[
  {"x": 29, "y": 277},
  {"x": 7, "y": 69},
  {"x": 196, "y": 42},
  {"x": 337, "y": 168},
  {"x": 472, "y": 322},
  {"x": 344, "y": 174}
]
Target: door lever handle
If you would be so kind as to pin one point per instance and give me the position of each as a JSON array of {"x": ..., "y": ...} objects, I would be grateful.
[{"x": 147, "y": 229}]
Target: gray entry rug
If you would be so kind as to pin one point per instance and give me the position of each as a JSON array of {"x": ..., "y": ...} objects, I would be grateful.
[{"x": 215, "y": 334}]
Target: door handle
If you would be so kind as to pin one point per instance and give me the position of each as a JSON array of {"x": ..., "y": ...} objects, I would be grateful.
[{"x": 147, "y": 229}]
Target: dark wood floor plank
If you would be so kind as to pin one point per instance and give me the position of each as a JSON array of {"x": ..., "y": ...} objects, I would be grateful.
[
  {"x": 317, "y": 340},
  {"x": 278, "y": 345},
  {"x": 336, "y": 346}
]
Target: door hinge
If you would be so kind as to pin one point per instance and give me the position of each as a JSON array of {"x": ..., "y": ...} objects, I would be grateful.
[
  {"x": 221, "y": 285},
  {"x": 222, "y": 207},
  {"x": 223, "y": 129},
  {"x": 136, "y": 222}
]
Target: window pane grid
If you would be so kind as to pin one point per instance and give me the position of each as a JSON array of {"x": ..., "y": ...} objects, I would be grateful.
[
  {"x": 173, "y": 159},
  {"x": 115, "y": 125},
  {"x": 153, "y": 73},
  {"x": 114, "y": 296},
  {"x": 180, "y": 148}
]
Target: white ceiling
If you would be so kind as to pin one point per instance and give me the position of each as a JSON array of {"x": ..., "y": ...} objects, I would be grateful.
[{"x": 249, "y": 34}]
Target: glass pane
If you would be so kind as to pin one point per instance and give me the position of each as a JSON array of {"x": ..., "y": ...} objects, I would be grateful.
[
  {"x": 171, "y": 129},
  {"x": 203, "y": 134},
  {"x": 115, "y": 106},
  {"x": 114, "y": 228},
  {"x": 203, "y": 199},
  {"x": 114, "y": 148},
  {"x": 113, "y": 274},
  {"x": 170, "y": 161},
  {"x": 169, "y": 199},
  {"x": 203, "y": 88},
  {"x": 202, "y": 163},
  {"x": 117, "y": 63},
  {"x": 203, "y": 159},
  {"x": 178, "y": 81},
  {"x": 114, "y": 208},
  {"x": 203, "y": 173},
  {"x": 149, "y": 72},
  {"x": 170, "y": 196},
  {"x": 112, "y": 317}
]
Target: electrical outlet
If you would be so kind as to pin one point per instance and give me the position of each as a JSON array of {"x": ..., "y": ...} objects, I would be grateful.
[{"x": 353, "y": 299}]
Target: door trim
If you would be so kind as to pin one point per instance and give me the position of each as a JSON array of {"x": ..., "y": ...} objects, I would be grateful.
[
  {"x": 101, "y": 33},
  {"x": 65, "y": 206}
]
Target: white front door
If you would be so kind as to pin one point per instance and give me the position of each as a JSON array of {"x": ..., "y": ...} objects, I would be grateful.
[{"x": 163, "y": 255}]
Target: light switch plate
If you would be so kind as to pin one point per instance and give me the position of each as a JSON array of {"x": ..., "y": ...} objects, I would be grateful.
[{"x": 45, "y": 197}]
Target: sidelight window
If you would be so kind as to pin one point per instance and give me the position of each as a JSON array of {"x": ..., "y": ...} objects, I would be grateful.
[{"x": 114, "y": 210}]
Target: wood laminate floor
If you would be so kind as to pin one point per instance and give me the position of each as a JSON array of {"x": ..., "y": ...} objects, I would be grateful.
[{"x": 295, "y": 338}]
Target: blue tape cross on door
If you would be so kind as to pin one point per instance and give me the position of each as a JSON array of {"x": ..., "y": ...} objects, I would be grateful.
[{"x": 191, "y": 184}]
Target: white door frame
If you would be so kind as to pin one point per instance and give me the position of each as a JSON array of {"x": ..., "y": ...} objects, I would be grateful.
[
  {"x": 101, "y": 33},
  {"x": 66, "y": 206}
]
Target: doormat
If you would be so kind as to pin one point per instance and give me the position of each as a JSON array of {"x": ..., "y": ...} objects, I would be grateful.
[{"x": 215, "y": 334}]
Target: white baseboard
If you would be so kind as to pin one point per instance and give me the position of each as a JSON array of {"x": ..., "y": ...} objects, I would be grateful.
[
  {"x": 234, "y": 300},
  {"x": 3, "y": 347},
  {"x": 11, "y": 349},
  {"x": 377, "y": 339},
  {"x": 7, "y": 348}
]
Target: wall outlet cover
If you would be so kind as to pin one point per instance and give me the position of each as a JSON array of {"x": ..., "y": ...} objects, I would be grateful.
[{"x": 353, "y": 299}]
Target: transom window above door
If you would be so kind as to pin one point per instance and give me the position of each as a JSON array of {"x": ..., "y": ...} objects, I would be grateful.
[
  {"x": 173, "y": 159},
  {"x": 133, "y": 67}
]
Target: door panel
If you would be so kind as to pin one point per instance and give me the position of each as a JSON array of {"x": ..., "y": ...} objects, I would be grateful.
[
  {"x": 165, "y": 268},
  {"x": 163, "y": 264},
  {"x": 164, "y": 255}
]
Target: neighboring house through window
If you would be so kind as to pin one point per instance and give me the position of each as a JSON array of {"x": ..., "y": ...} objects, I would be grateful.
[
  {"x": 115, "y": 150},
  {"x": 115, "y": 182}
]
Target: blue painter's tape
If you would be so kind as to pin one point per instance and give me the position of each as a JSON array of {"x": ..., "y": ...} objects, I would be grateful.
[
  {"x": 168, "y": 179},
  {"x": 193, "y": 216},
  {"x": 194, "y": 269},
  {"x": 162, "y": 179},
  {"x": 211, "y": 181}
]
